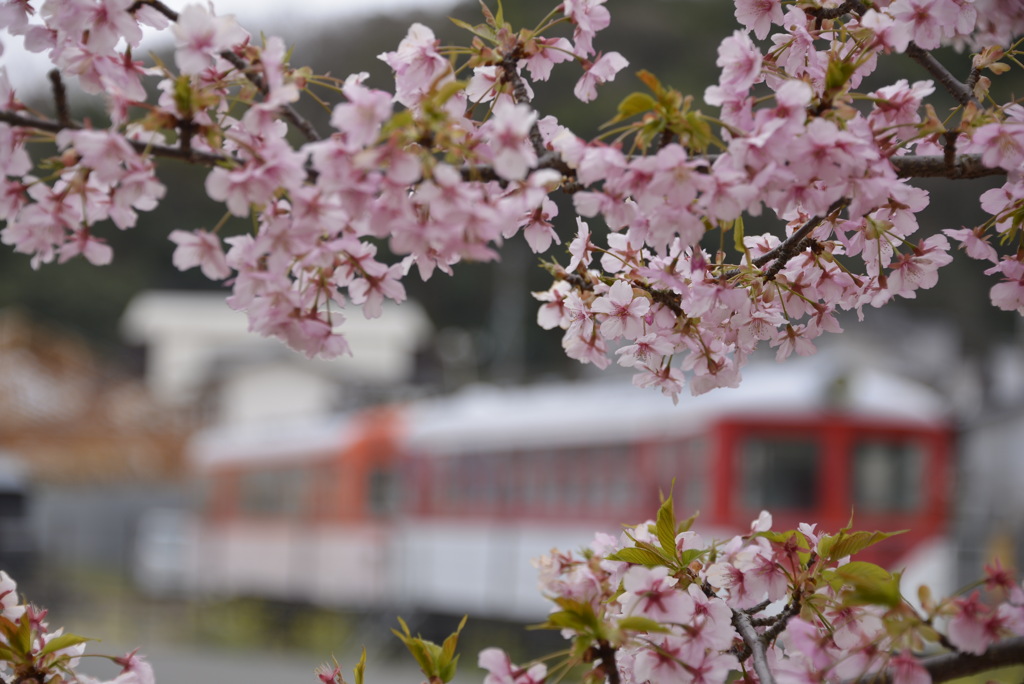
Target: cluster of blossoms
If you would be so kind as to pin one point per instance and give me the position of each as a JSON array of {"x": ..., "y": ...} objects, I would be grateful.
[
  {"x": 444, "y": 170},
  {"x": 662, "y": 606},
  {"x": 30, "y": 652}
]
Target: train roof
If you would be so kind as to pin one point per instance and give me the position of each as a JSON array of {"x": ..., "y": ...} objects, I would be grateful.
[
  {"x": 272, "y": 442},
  {"x": 482, "y": 418},
  {"x": 610, "y": 410}
]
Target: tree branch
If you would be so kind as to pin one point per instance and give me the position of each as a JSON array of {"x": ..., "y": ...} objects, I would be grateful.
[
  {"x": 60, "y": 97},
  {"x": 948, "y": 666},
  {"x": 789, "y": 247},
  {"x": 934, "y": 166},
  {"x": 960, "y": 92},
  {"x": 289, "y": 112},
  {"x": 189, "y": 155},
  {"x": 752, "y": 639}
]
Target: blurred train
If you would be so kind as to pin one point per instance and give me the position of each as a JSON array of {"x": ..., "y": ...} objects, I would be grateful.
[{"x": 439, "y": 504}]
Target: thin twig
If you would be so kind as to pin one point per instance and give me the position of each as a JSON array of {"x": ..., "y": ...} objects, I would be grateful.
[
  {"x": 789, "y": 247},
  {"x": 960, "y": 92}
]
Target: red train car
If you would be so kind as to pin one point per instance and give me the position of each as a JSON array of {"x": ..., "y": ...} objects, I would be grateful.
[{"x": 440, "y": 504}]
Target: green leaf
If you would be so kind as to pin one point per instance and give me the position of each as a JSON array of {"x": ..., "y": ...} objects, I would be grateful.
[
  {"x": 665, "y": 527},
  {"x": 633, "y": 104},
  {"x": 737, "y": 235},
  {"x": 651, "y": 81},
  {"x": 688, "y": 556},
  {"x": 687, "y": 524},
  {"x": 359, "y": 671},
  {"x": 834, "y": 547},
  {"x": 63, "y": 641},
  {"x": 481, "y": 30},
  {"x": 871, "y": 584},
  {"x": 418, "y": 647},
  {"x": 638, "y": 556},
  {"x": 183, "y": 95},
  {"x": 567, "y": 619},
  {"x": 23, "y": 637},
  {"x": 641, "y": 624},
  {"x": 447, "y": 672},
  {"x": 838, "y": 73}
]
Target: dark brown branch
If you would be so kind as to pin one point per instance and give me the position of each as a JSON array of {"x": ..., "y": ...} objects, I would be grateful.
[
  {"x": 608, "y": 664},
  {"x": 191, "y": 155},
  {"x": 753, "y": 641},
  {"x": 963, "y": 166},
  {"x": 510, "y": 74},
  {"x": 946, "y": 667},
  {"x": 60, "y": 97},
  {"x": 960, "y": 92},
  {"x": 823, "y": 13}
]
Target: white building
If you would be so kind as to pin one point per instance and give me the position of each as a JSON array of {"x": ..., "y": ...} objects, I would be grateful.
[{"x": 199, "y": 352}]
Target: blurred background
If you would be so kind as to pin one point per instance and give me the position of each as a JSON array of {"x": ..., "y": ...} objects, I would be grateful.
[{"x": 169, "y": 481}]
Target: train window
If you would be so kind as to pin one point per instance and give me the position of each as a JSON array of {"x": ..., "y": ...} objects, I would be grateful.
[
  {"x": 887, "y": 475},
  {"x": 383, "y": 495},
  {"x": 780, "y": 473},
  {"x": 273, "y": 492}
]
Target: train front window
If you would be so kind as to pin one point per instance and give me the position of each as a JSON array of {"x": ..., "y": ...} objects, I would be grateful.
[
  {"x": 780, "y": 473},
  {"x": 887, "y": 475}
]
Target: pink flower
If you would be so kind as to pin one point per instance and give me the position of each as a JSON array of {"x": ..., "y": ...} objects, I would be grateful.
[
  {"x": 9, "y": 606},
  {"x": 538, "y": 230},
  {"x": 419, "y": 68},
  {"x": 928, "y": 20},
  {"x": 623, "y": 312},
  {"x": 891, "y": 35},
  {"x": 202, "y": 249},
  {"x": 581, "y": 248},
  {"x": 666, "y": 377},
  {"x": 919, "y": 269},
  {"x": 1001, "y": 144},
  {"x": 508, "y": 137},
  {"x": 590, "y": 17},
  {"x": 201, "y": 37},
  {"x": 974, "y": 627},
  {"x": 550, "y": 51},
  {"x": 136, "y": 670},
  {"x": 759, "y": 15},
  {"x": 1009, "y": 294},
  {"x": 600, "y": 71},
  {"x": 906, "y": 669},
  {"x": 651, "y": 593},
  {"x": 740, "y": 61},
  {"x": 96, "y": 251},
  {"x": 974, "y": 243},
  {"x": 501, "y": 670},
  {"x": 360, "y": 118}
]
